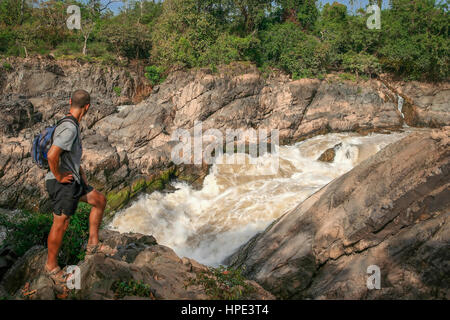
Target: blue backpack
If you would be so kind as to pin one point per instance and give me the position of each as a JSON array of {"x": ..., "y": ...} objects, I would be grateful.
[{"x": 43, "y": 142}]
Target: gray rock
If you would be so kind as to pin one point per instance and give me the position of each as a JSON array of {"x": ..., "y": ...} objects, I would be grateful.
[
  {"x": 15, "y": 115},
  {"x": 29, "y": 266}
]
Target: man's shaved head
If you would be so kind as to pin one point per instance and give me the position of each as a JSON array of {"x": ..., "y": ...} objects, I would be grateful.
[{"x": 80, "y": 98}]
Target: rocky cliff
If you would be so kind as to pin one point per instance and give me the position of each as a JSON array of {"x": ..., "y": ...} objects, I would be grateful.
[
  {"x": 127, "y": 151},
  {"x": 392, "y": 211}
]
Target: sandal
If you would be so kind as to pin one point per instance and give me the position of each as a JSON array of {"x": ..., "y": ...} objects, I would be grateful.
[
  {"x": 100, "y": 248},
  {"x": 58, "y": 276}
]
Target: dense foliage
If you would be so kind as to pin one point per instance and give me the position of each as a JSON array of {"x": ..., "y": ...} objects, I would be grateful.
[
  {"x": 223, "y": 284},
  {"x": 131, "y": 288},
  {"x": 30, "y": 229},
  {"x": 300, "y": 37}
]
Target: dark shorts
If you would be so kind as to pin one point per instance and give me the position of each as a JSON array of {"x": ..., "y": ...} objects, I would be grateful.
[{"x": 65, "y": 196}]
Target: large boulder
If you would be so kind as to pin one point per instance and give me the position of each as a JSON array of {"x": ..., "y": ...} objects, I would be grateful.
[
  {"x": 139, "y": 259},
  {"x": 392, "y": 211}
]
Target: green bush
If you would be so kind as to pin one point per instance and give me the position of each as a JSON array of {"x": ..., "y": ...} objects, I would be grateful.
[
  {"x": 7, "y": 66},
  {"x": 131, "y": 288},
  {"x": 361, "y": 64},
  {"x": 154, "y": 74},
  {"x": 118, "y": 91},
  {"x": 68, "y": 48},
  {"x": 223, "y": 284},
  {"x": 288, "y": 47},
  {"x": 7, "y": 39},
  {"x": 32, "y": 229},
  {"x": 228, "y": 48}
]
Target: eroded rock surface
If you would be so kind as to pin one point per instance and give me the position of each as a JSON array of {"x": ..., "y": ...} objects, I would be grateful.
[{"x": 392, "y": 210}]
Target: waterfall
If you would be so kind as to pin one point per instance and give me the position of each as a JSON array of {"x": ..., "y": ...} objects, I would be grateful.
[
  {"x": 238, "y": 201},
  {"x": 400, "y": 102}
]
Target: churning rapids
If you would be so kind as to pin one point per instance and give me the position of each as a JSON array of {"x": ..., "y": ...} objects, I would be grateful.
[{"x": 238, "y": 201}]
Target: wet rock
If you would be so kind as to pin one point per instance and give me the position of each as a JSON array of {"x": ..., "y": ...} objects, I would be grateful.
[
  {"x": 329, "y": 154},
  {"x": 3, "y": 293},
  {"x": 7, "y": 259},
  {"x": 392, "y": 210},
  {"x": 44, "y": 287}
]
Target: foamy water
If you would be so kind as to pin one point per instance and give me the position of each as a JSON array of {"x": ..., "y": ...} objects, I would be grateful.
[{"x": 238, "y": 201}]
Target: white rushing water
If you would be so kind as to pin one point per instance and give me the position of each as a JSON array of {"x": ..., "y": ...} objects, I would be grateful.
[{"x": 238, "y": 201}]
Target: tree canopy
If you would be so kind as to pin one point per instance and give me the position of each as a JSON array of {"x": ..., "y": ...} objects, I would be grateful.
[{"x": 300, "y": 37}]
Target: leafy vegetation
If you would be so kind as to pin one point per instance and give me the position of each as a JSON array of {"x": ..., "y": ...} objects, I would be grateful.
[
  {"x": 118, "y": 91},
  {"x": 131, "y": 288},
  {"x": 154, "y": 74},
  {"x": 30, "y": 229},
  {"x": 223, "y": 284},
  {"x": 300, "y": 37},
  {"x": 7, "y": 66}
]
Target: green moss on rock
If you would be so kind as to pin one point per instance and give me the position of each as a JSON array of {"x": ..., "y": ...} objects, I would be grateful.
[{"x": 117, "y": 200}]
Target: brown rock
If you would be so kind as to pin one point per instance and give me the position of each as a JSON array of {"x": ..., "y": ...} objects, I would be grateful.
[{"x": 329, "y": 154}]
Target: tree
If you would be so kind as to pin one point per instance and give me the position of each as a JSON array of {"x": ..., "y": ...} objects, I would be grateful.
[
  {"x": 416, "y": 39},
  {"x": 13, "y": 12},
  {"x": 183, "y": 33},
  {"x": 25, "y": 36},
  {"x": 252, "y": 12},
  {"x": 302, "y": 12},
  {"x": 130, "y": 40}
]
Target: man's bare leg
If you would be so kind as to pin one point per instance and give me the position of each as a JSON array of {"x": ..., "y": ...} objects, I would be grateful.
[
  {"x": 98, "y": 203},
  {"x": 54, "y": 241}
]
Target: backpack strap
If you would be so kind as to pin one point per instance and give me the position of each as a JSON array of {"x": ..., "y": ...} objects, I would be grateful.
[{"x": 67, "y": 119}]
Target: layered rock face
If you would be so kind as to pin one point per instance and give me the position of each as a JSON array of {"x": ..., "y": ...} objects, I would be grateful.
[
  {"x": 426, "y": 105},
  {"x": 34, "y": 93},
  {"x": 392, "y": 211},
  {"x": 50, "y": 82},
  {"x": 128, "y": 152},
  {"x": 139, "y": 258}
]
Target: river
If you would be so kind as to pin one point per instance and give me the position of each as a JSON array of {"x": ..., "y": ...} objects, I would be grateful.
[{"x": 238, "y": 201}]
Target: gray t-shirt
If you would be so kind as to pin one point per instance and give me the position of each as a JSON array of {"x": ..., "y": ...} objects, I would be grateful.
[{"x": 67, "y": 137}]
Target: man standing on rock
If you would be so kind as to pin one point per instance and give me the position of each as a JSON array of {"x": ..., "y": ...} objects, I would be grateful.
[{"x": 66, "y": 184}]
